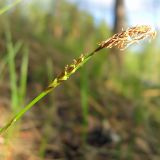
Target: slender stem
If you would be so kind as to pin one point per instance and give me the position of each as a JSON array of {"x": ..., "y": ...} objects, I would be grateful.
[
  {"x": 121, "y": 40},
  {"x": 23, "y": 111},
  {"x": 39, "y": 97}
]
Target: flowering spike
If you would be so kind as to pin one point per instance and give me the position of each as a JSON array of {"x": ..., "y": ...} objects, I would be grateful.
[{"x": 125, "y": 38}]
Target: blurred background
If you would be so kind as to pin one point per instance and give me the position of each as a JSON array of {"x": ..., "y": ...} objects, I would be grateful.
[{"x": 109, "y": 109}]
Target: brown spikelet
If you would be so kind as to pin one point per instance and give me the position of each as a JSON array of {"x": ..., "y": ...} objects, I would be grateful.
[{"x": 125, "y": 38}]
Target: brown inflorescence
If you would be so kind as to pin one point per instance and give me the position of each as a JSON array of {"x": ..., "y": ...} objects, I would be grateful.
[
  {"x": 125, "y": 38},
  {"x": 120, "y": 40}
]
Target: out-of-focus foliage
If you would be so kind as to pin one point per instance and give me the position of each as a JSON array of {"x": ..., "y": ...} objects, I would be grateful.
[{"x": 122, "y": 107}]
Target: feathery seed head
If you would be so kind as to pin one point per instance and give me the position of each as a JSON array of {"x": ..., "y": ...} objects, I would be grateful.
[{"x": 132, "y": 35}]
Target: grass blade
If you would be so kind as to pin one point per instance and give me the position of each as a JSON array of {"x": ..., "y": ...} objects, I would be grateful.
[
  {"x": 23, "y": 79},
  {"x": 6, "y": 8}
]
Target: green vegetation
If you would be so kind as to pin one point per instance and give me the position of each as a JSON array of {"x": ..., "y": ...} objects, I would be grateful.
[
  {"x": 125, "y": 104},
  {"x": 8, "y": 7}
]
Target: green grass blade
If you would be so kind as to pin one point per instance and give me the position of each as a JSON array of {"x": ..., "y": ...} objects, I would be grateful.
[
  {"x": 12, "y": 73},
  {"x": 23, "y": 77},
  {"x": 17, "y": 47},
  {"x": 6, "y": 8}
]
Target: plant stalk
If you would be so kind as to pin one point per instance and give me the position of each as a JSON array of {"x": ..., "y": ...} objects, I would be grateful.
[{"x": 120, "y": 40}]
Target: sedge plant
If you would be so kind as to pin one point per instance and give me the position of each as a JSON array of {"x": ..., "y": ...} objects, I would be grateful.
[{"x": 120, "y": 40}]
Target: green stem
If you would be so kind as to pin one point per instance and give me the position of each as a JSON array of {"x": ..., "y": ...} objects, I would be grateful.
[
  {"x": 120, "y": 40},
  {"x": 23, "y": 111},
  {"x": 39, "y": 97}
]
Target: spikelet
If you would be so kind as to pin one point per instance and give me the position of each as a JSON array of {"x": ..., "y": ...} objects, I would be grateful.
[
  {"x": 65, "y": 74},
  {"x": 125, "y": 38}
]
